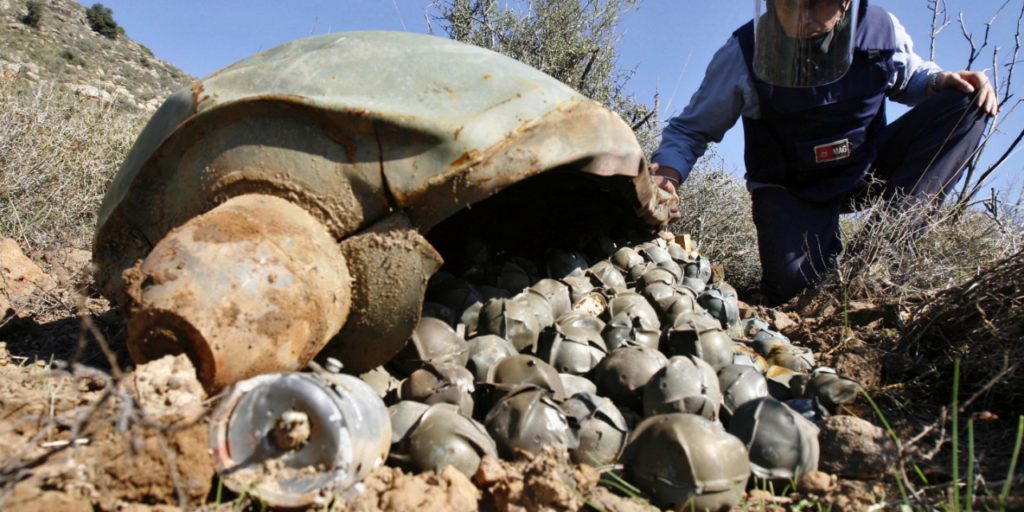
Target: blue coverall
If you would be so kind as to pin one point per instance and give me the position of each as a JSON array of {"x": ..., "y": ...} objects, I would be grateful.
[{"x": 796, "y": 205}]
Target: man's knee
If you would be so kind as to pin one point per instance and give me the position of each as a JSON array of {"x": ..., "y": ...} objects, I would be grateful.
[
  {"x": 785, "y": 279},
  {"x": 951, "y": 99},
  {"x": 959, "y": 106}
]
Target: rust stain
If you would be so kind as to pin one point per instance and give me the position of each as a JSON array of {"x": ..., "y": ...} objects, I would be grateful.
[
  {"x": 337, "y": 136},
  {"x": 458, "y": 131},
  {"x": 197, "y": 90},
  {"x": 464, "y": 159},
  {"x": 559, "y": 119},
  {"x": 487, "y": 76},
  {"x": 498, "y": 104}
]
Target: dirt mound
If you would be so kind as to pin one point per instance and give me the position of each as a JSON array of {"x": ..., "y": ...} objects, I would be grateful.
[{"x": 74, "y": 439}]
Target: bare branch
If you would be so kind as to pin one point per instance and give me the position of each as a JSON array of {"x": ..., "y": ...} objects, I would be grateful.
[
  {"x": 969, "y": 36},
  {"x": 1013, "y": 58},
  {"x": 586, "y": 70},
  {"x": 998, "y": 163},
  {"x": 970, "y": 40},
  {"x": 937, "y": 6}
]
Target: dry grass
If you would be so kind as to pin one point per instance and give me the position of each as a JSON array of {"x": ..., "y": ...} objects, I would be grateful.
[
  {"x": 906, "y": 252},
  {"x": 58, "y": 153},
  {"x": 715, "y": 210},
  {"x": 980, "y": 322}
]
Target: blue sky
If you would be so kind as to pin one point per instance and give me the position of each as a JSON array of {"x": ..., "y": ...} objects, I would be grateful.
[{"x": 666, "y": 43}]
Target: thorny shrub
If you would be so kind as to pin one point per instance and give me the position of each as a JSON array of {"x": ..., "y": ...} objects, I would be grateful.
[
  {"x": 58, "y": 154},
  {"x": 907, "y": 251}
]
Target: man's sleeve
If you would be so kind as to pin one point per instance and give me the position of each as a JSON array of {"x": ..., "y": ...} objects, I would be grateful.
[
  {"x": 910, "y": 84},
  {"x": 726, "y": 92}
]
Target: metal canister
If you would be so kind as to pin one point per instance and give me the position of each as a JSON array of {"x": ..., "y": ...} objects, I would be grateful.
[{"x": 288, "y": 437}]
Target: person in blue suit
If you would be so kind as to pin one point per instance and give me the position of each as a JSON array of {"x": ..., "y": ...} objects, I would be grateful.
[{"x": 810, "y": 79}]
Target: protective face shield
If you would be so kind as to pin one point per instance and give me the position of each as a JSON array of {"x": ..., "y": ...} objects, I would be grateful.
[{"x": 804, "y": 43}]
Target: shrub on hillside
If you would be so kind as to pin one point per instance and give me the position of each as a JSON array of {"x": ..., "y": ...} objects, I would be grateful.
[
  {"x": 34, "y": 13},
  {"x": 101, "y": 20},
  {"x": 58, "y": 153},
  {"x": 72, "y": 58}
]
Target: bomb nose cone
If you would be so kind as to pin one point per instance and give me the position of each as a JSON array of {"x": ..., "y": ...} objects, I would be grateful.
[{"x": 255, "y": 285}]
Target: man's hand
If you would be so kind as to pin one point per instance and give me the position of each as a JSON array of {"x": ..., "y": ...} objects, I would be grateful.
[
  {"x": 667, "y": 179},
  {"x": 969, "y": 82}
]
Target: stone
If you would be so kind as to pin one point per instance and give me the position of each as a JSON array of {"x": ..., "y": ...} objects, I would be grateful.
[
  {"x": 782, "y": 321},
  {"x": 489, "y": 472},
  {"x": 855, "y": 448},
  {"x": 816, "y": 482},
  {"x": 20, "y": 277}
]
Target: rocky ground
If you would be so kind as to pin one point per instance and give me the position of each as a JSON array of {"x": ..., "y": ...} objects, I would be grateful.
[{"x": 82, "y": 432}]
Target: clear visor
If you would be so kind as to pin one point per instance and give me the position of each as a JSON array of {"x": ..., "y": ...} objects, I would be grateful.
[{"x": 804, "y": 43}]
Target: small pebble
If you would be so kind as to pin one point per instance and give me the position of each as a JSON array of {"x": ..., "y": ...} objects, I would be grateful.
[
  {"x": 816, "y": 482},
  {"x": 490, "y": 471}
]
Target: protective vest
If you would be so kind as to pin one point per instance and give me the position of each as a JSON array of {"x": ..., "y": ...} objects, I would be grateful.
[{"x": 819, "y": 142}]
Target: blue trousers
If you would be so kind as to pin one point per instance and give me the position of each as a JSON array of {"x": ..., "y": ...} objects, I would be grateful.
[{"x": 922, "y": 154}]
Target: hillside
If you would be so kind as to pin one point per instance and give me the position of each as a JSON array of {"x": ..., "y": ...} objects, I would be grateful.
[{"x": 63, "y": 48}]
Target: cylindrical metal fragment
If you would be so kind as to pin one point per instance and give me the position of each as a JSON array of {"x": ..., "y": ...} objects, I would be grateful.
[
  {"x": 345, "y": 430},
  {"x": 256, "y": 285}
]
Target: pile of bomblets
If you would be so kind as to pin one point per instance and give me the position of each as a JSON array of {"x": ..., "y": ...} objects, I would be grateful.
[{"x": 636, "y": 361}]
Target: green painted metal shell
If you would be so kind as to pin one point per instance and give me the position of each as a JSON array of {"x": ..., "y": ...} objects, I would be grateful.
[{"x": 354, "y": 127}]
